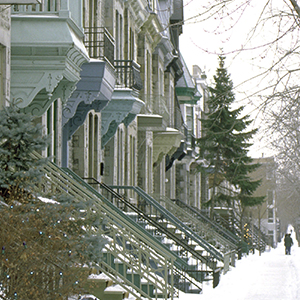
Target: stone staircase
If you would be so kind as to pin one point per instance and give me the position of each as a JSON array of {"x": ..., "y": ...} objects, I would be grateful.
[
  {"x": 161, "y": 217},
  {"x": 149, "y": 256},
  {"x": 130, "y": 247},
  {"x": 185, "y": 275},
  {"x": 173, "y": 233}
]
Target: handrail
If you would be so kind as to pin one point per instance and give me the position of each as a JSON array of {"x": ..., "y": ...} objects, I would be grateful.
[
  {"x": 181, "y": 265},
  {"x": 180, "y": 225},
  {"x": 118, "y": 211},
  {"x": 186, "y": 230},
  {"x": 253, "y": 233},
  {"x": 179, "y": 262},
  {"x": 146, "y": 257},
  {"x": 233, "y": 239},
  {"x": 154, "y": 223}
]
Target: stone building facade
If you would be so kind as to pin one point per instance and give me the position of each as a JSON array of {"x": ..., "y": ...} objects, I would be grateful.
[{"x": 265, "y": 216}]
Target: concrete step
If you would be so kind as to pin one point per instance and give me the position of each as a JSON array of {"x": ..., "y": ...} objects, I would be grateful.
[{"x": 115, "y": 292}]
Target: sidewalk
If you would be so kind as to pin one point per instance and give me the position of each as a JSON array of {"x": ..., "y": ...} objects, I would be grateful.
[{"x": 271, "y": 276}]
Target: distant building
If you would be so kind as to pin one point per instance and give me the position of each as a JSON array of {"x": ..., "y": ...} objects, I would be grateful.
[
  {"x": 265, "y": 216},
  {"x": 5, "y": 36}
]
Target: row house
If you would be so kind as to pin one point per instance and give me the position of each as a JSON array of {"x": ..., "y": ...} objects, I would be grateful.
[
  {"x": 265, "y": 216},
  {"x": 192, "y": 94},
  {"x": 5, "y": 36},
  {"x": 107, "y": 81}
]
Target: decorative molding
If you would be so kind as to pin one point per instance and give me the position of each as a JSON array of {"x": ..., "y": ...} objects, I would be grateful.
[
  {"x": 123, "y": 108},
  {"x": 43, "y": 100},
  {"x": 46, "y": 56},
  {"x": 151, "y": 123},
  {"x": 139, "y": 13},
  {"x": 153, "y": 29},
  {"x": 93, "y": 92},
  {"x": 78, "y": 119},
  {"x": 165, "y": 142},
  {"x": 97, "y": 83},
  {"x": 20, "y": 2}
]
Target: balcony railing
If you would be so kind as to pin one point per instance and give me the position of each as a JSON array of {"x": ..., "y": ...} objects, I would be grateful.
[
  {"x": 128, "y": 74},
  {"x": 45, "y": 6},
  {"x": 99, "y": 43}
]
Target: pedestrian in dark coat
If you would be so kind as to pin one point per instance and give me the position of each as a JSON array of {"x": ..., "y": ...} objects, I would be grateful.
[{"x": 288, "y": 242}]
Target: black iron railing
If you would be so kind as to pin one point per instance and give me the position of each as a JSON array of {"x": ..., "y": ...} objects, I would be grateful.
[
  {"x": 47, "y": 6},
  {"x": 99, "y": 43},
  {"x": 128, "y": 74}
]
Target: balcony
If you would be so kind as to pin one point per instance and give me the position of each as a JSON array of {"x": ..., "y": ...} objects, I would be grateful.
[
  {"x": 99, "y": 43},
  {"x": 125, "y": 103},
  {"x": 19, "y": 2},
  {"x": 47, "y": 52},
  {"x": 128, "y": 74},
  {"x": 96, "y": 86},
  {"x": 165, "y": 143}
]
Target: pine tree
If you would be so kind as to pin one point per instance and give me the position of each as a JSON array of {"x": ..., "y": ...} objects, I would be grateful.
[
  {"x": 224, "y": 146},
  {"x": 45, "y": 240}
]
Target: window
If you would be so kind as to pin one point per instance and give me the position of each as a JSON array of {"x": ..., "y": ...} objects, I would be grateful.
[
  {"x": 190, "y": 118},
  {"x": 52, "y": 130},
  {"x": 119, "y": 36},
  {"x": 270, "y": 197},
  {"x": 270, "y": 215}
]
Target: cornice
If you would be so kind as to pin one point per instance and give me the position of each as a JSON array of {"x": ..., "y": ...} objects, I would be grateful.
[
  {"x": 123, "y": 108},
  {"x": 45, "y": 63},
  {"x": 165, "y": 142}
]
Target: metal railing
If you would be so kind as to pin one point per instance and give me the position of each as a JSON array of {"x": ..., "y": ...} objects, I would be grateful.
[
  {"x": 257, "y": 238},
  {"x": 51, "y": 6},
  {"x": 159, "y": 231},
  {"x": 131, "y": 245},
  {"x": 153, "y": 207},
  {"x": 99, "y": 43},
  {"x": 128, "y": 74},
  {"x": 207, "y": 227}
]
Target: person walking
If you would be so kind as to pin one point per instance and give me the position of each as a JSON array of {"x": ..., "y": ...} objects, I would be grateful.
[{"x": 288, "y": 242}]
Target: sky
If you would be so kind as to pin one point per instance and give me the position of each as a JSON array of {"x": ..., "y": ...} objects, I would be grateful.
[
  {"x": 202, "y": 39},
  {"x": 269, "y": 276}
]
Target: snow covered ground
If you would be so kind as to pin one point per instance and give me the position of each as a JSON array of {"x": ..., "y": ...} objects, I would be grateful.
[{"x": 271, "y": 276}]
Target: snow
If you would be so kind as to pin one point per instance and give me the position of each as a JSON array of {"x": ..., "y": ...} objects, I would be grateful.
[
  {"x": 47, "y": 200},
  {"x": 271, "y": 275}
]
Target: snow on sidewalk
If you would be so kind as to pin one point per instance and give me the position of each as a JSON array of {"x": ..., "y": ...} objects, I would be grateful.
[{"x": 271, "y": 276}]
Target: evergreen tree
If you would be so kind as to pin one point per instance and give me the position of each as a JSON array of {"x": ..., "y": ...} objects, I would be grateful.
[
  {"x": 224, "y": 146},
  {"x": 45, "y": 239},
  {"x": 19, "y": 137}
]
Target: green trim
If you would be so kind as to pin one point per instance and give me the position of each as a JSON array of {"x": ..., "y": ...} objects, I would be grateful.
[{"x": 188, "y": 93}]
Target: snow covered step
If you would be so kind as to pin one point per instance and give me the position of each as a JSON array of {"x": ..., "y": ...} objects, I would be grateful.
[
  {"x": 199, "y": 249},
  {"x": 171, "y": 228},
  {"x": 83, "y": 297},
  {"x": 147, "y": 288},
  {"x": 133, "y": 277},
  {"x": 115, "y": 292},
  {"x": 97, "y": 283}
]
